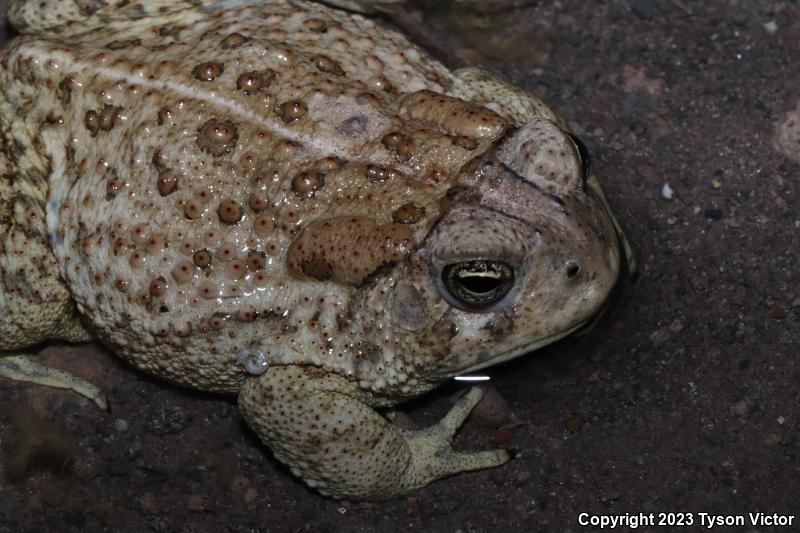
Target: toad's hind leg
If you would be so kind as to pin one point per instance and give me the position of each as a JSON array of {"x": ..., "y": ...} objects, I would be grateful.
[
  {"x": 35, "y": 306},
  {"x": 321, "y": 426},
  {"x": 23, "y": 368}
]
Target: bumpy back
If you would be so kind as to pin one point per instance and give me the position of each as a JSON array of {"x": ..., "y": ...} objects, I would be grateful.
[{"x": 67, "y": 16}]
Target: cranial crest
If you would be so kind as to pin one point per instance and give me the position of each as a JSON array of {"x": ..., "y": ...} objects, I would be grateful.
[{"x": 544, "y": 154}]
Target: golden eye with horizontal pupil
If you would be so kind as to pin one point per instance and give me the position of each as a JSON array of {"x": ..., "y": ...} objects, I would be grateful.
[{"x": 478, "y": 284}]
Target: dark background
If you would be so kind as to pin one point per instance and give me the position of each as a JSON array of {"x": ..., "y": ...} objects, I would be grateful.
[{"x": 684, "y": 400}]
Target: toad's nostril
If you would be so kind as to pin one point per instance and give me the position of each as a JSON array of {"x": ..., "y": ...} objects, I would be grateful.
[{"x": 572, "y": 270}]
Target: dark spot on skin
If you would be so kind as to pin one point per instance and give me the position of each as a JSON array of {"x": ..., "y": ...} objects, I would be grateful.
[
  {"x": 353, "y": 127},
  {"x": 409, "y": 307},
  {"x": 442, "y": 333},
  {"x": 65, "y": 90},
  {"x": 316, "y": 25},
  {"x": 53, "y": 119},
  {"x": 123, "y": 43},
  {"x": 377, "y": 274},
  {"x": 408, "y": 214},
  {"x": 169, "y": 30},
  {"x": 502, "y": 324},
  {"x": 317, "y": 268},
  {"x": 467, "y": 143}
]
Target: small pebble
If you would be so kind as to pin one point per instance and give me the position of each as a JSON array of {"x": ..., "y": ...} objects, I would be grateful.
[
  {"x": 667, "y": 192},
  {"x": 742, "y": 407},
  {"x": 574, "y": 424},
  {"x": 740, "y": 17},
  {"x": 777, "y": 312},
  {"x": 196, "y": 502},
  {"x": 659, "y": 337},
  {"x": 251, "y": 495},
  {"x": 149, "y": 503},
  {"x": 716, "y": 184},
  {"x": 121, "y": 425},
  {"x": 492, "y": 411},
  {"x": 646, "y": 9},
  {"x": 501, "y": 436},
  {"x": 781, "y": 420},
  {"x": 403, "y": 421},
  {"x": 771, "y": 26},
  {"x": 119, "y": 468}
]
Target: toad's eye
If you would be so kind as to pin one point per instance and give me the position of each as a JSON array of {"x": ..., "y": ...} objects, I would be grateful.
[
  {"x": 583, "y": 153},
  {"x": 476, "y": 285}
]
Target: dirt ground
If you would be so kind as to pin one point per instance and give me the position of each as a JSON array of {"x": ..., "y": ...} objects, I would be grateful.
[{"x": 684, "y": 400}]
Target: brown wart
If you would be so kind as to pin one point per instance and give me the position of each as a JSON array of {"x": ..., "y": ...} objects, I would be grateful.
[{"x": 217, "y": 137}]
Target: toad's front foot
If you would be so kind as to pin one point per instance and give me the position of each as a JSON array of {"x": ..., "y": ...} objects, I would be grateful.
[
  {"x": 324, "y": 429},
  {"x": 23, "y": 368},
  {"x": 432, "y": 455}
]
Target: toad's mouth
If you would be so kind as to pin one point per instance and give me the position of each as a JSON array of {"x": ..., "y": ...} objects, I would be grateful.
[
  {"x": 578, "y": 329},
  {"x": 512, "y": 353}
]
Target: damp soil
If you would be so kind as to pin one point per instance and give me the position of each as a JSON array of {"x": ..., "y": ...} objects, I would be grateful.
[{"x": 685, "y": 399}]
